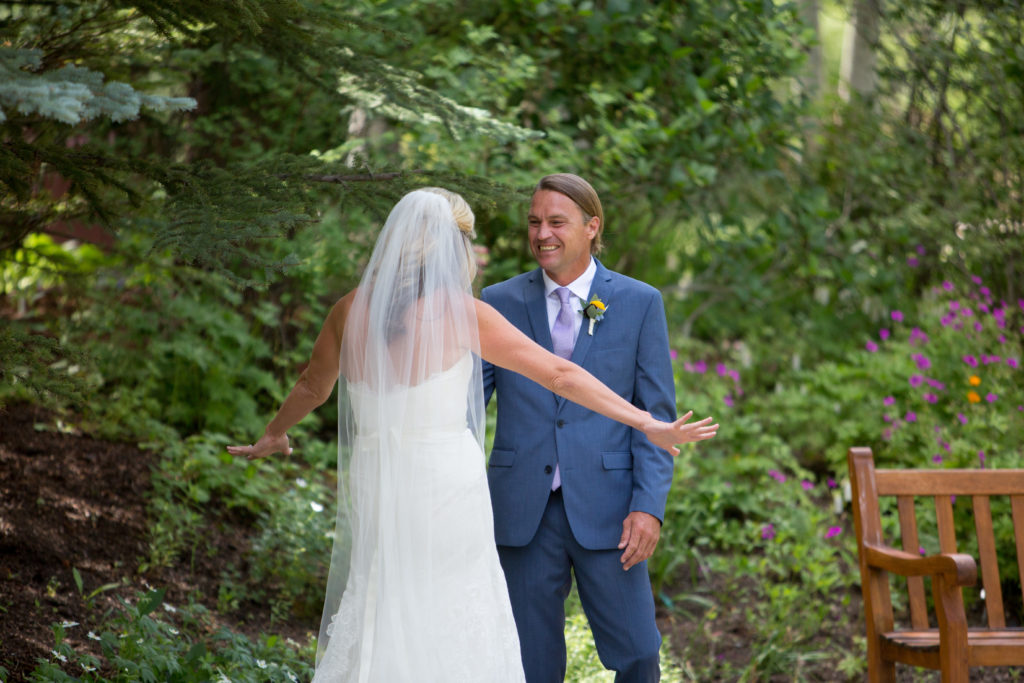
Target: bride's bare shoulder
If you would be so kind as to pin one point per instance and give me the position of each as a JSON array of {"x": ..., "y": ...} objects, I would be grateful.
[{"x": 340, "y": 311}]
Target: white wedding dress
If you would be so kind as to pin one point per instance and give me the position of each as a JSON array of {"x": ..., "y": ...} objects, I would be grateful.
[{"x": 425, "y": 599}]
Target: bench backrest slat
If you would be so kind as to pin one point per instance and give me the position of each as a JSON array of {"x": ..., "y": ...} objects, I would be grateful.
[
  {"x": 949, "y": 482},
  {"x": 1017, "y": 504},
  {"x": 911, "y": 544},
  {"x": 987, "y": 560},
  {"x": 947, "y": 526}
]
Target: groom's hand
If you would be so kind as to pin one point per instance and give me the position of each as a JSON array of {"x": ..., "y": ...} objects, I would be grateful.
[{"x": 640, "y": 534}]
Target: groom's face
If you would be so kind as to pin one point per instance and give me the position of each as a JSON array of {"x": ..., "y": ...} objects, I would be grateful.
[{"x": 559, "y": 238}]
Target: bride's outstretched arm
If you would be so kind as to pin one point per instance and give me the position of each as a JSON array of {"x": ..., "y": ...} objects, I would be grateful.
[
  {"x": 502, "y": 344},
  {"x": 311, "y": 389}
]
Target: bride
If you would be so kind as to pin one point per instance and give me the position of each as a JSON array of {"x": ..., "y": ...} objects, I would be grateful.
[{"x": 415, "y": 590}]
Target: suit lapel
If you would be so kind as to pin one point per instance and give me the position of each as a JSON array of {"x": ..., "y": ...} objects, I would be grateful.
[
  {"x": 537, "y": 309},
  {"x": 601, "y": 287}
]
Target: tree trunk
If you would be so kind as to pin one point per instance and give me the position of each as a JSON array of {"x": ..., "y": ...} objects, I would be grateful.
[{"x": 857, "y": 67}]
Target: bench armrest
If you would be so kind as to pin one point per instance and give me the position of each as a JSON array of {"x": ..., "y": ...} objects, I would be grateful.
[{"x": 960, "y": 569}]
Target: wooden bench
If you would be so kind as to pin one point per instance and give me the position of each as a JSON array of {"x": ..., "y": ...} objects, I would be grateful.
[{"x": 951, "y": 645}]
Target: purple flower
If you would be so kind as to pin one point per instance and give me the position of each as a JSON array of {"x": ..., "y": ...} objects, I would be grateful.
[
  {"x": 921, "y": 250},
  {"x": 921, "y": 550},
  {"x": 917, "y": 335},
  {"x": 721, "y": 369},
  {"x": 1020, "y": 302},
  {"x": 735, "y": 375},
  {"x": 937, "y": 458},
  {"x": 962, "y": 418},
  {"x": 888, "y": 400},
  {"x": 954, "y": 305},
  {"x": 673, "y": 354},
  {"x": 777, "y": 476},
  {"x": 975, "y": 279},
  {"x": 931, "y": 398},
  {"x": 946, "y": 320},
  {"x": 985, "y": 292},
  {"x": 1002, "y": 340},
  {"x": 946, "y": 446},
  {"x": 887, "y": 417},
  {"x": 768, "y": 532},
  {"x": 728, "y": 400},
  {"x": 883, "y": 334},
  {"x": 897, "y": 316},
  {"x": 912, "y": 261},
  {"x": 833, "y": 531},
  {"x": 981, "y": 458},
  {"x": 871, "y": 346},
  {"x": 911, "y": 416},
  {"x": 922, "y": 361},
  {"x": 700, "y": 367},
  {"x": 886, "y": 434},
  {"x": 935, "y": 384},
  {"x": 966, "y": 312},
  {"x": 806, "y": 485},
  {"x": 915, "y": 380},
  {"x": 971, "y": 360},
  {"x": 947, "y": 285},
  {"x": 990, "y": 397},
  {"x": 978, "y": 327},
  {"x": 1012, "y": 362},
  {"x": 993, "y": 359},
  {"x": 831, "y": 483}
]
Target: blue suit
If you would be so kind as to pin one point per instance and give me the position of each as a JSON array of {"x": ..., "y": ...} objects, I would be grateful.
[{"x": 607, "y": 470}]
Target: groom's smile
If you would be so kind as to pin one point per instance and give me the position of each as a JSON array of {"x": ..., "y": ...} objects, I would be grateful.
[{"x": 559, "y": 239}]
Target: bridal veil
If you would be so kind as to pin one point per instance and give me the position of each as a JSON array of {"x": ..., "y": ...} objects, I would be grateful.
[{"x": 411, "y": 419}]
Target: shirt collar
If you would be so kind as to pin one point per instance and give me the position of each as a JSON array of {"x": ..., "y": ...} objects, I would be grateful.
[{"x": 580, "y": 287}]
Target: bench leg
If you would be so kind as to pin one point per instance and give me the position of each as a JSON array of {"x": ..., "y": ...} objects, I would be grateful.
[{"x": 949, "y": 608}]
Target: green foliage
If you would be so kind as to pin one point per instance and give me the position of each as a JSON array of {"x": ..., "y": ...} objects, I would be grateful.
[{"x": 150, "y": 640}]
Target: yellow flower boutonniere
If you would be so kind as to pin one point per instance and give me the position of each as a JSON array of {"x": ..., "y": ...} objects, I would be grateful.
[{"x": 594, "y": 310}]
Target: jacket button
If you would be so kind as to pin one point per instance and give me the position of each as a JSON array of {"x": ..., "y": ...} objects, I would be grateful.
[
  {"x": 560, "y": 423},
  {"x": 547, "y": 469}
]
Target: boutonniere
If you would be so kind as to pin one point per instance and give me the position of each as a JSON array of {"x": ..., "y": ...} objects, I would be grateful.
[{"x": 594, "y": 310}]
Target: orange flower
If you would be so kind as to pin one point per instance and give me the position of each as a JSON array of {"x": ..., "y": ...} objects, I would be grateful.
[
  {"x": 974, "y": 380},
  {"x": 973, "y": 397}
]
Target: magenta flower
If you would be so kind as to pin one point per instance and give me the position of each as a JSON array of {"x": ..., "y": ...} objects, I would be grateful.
[
  {"x": 888, "y": 400},
  {"x": 947, "y": 285},
  {"x": 833, "y": 531},
  {"x": 993, "y": 359},
  {"x": 922, "y": 361},
  {"x": 887, "y": 417},
  {"x": 831, "y": 483},
  {"x": 777, "y": 476},
  {"x": 966, "y": 312},
  {"x": 728, "y": 400},
  {"x": 915, "y": 380},
  {"x": 935, "y": 384},
  {"x": 883, "y": 334},
  {"x": 871, "y": 346},
  {"x": 897, "y": 316},
  {"x": 971, "y": 360},
  {"x": 921, "y": 550},
  {"x": 975, "y": 279},
  {"x": 721, "y": 369},
  {"x": 912, "y": 261},
  {"x": 981, "y": 458},
  {"x": 1012, "y": 362},
  {"x": 954, "y": 305},
  {"x": 991, "y": 398},
  {"x": 700, "y": 367},
  {"x": 931, "y": 398},
  {"x": 962, "y": 418},
  {"x": 917, "y": 335},
  {"x": 921, "y": 250},
  {"x": 673, "y": 354},
  {"x": 911, "y": 416},
  {"x": 946, "y": 446},
  {"x": 806, "y": 485},
  {"x": 985, "y": 292},
  {"x": 937, "y": 458},
  {"x": 768, "y": 532},
  {"x": 978, "y": 327}
]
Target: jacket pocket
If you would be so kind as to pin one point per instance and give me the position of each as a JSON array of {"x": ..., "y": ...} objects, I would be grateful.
[
  {"x": 617, "y": 460},
  {"x": 501, "y": 458}
]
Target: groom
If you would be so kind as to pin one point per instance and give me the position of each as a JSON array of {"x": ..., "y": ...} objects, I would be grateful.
[{"x": 574, "y": 491}]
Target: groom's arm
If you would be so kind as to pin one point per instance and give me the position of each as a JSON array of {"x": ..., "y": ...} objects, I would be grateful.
[{"x": 654, "y": 391}]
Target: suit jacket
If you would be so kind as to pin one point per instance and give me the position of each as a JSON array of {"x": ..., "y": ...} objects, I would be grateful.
[{"x": 608, "y": 469}]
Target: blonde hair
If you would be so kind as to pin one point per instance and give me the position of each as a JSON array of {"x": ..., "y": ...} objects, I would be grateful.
[{"x": 464, "y": 218}]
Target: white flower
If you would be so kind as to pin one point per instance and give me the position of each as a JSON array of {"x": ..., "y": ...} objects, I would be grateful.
[
  {"x": 58, "y": 655},
  {"x": 261, "y": 664},
  {"x": 68, "y": 624},
  {"x": 89, "y": 669},
  {"x": 170, "y": 608},
  {"x": 317, "y": 507},
  {"x": 302, "y": 483},
  {"x": 92, "y": 636},
  {"x": 292, "y": 677},
  {"x": 173, "y": 631}
]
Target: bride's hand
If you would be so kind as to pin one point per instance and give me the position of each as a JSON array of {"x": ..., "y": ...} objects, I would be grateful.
[
  {"x": 267, "y": 445},
  {"x": 667, "y": 434}
]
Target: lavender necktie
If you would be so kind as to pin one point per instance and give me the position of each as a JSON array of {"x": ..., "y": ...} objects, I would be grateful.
[{"x": 562, "y": 334}]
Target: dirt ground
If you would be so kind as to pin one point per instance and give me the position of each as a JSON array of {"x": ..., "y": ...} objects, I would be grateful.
[{"x": 69, "y": 501}]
